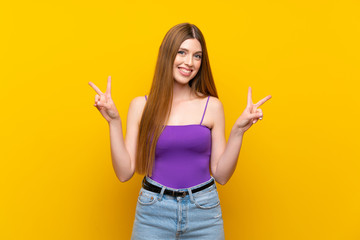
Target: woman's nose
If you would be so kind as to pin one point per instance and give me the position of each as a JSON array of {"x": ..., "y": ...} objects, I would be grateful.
[{"x": 189, "y": 60}]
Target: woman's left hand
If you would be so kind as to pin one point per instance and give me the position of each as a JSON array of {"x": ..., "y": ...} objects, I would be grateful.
[{"x": 251, "y": 114}]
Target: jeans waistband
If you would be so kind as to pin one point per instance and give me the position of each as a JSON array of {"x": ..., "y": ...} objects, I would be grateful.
[
  {"x": 178, "y": 189},
  {"x": 179, "y": 195},
  {"x": 176, "y": 193}
]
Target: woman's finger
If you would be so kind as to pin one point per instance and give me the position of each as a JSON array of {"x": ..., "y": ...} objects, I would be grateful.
[
  {"x": 100, "y": 104},
  {"x": 97, "y": 98},
  {"x": 255, "y": 115},
  {"x": 95, "y": 88},
  {"x": 260, "y": 112},
  {"x": 249, "y": 100},
  {"x": 103, "y": 98},
  {"x": 262, "y": 101},
  {"x": 108, "y": 88}
]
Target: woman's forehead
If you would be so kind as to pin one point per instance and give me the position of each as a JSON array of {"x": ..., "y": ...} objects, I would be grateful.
[{"x": 191, "y": 44}]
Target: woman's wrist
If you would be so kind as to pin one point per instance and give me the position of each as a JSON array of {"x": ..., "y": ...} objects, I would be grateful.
[
  {"x": 115, "y": 122},
  {"x": 239, "y": 132}
]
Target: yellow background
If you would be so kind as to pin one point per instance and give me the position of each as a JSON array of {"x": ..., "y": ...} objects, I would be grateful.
[{"x": 298, "y": 171}]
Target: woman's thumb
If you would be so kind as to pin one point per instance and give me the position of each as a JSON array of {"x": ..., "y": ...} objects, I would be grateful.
[{"x": 255, "y": 115}]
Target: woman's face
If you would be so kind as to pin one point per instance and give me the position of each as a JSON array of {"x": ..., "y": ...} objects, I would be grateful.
[{"x": 187, "y": 61}]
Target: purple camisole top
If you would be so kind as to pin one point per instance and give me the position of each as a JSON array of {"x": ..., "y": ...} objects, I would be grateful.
[{"x": 182, "y": 155}]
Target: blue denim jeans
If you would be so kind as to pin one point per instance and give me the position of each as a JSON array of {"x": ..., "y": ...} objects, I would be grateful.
[{"x": 196, "y": 216}]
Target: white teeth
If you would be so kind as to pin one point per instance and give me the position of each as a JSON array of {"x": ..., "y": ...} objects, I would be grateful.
[{"x": 184, "y": 70}]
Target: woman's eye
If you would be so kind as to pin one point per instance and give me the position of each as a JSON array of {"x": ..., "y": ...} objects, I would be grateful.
[{"x": 197, "y": 55}]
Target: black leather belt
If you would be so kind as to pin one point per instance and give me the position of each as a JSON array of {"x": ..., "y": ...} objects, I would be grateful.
[{"x": 153, "y": 188}]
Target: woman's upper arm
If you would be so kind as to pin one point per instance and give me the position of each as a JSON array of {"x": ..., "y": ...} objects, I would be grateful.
[
  {"x": 136, "y": 108},
  {"x": 217, "y": 132}
]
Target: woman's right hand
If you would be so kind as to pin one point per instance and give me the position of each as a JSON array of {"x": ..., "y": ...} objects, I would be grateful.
[{"x": 104, "y": 103}]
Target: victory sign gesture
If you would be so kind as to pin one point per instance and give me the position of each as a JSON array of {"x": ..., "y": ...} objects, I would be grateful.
[
  {"x": 104, "y": 103},
  {"x": 251, "y": 113}
]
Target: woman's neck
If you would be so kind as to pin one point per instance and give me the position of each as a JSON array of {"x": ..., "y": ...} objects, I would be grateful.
[{"x": 182, "y": 92}]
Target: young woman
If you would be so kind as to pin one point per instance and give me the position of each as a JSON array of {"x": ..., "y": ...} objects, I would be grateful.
[{"x": 175, "y": 136}]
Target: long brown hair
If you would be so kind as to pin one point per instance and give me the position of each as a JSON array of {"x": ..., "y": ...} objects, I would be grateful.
[{"x": 159, "y": 102}]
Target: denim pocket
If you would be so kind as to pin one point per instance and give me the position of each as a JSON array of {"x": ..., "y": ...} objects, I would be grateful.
[
  {"x": 209, "y": 199},
  {"x": 147, "y": 198}
]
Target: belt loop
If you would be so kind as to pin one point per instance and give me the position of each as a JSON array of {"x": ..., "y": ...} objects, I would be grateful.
[
  {"x": 161, "y": 193},
  {"x": 190, "y": 195},
  {"x": 143, "y": 181}
]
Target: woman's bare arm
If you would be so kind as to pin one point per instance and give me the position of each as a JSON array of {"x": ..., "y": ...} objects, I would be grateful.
[
  {"x": 122, "y": 152},
  {"x": 225, "y": 156}
]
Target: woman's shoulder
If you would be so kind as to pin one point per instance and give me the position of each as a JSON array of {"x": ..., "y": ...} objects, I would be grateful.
[
  {"x": 138, "y": 101},
  {"x": 137, "y": 105},
  {"x": 215, "y": 109},
  {"x": 215, "y": 103}
]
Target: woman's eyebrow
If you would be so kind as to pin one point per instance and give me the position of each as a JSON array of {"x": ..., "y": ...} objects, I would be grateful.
[{"x": 188, "y": 50}]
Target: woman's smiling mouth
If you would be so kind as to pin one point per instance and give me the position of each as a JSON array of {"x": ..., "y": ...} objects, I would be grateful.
[{"x": 184, "y": 71}]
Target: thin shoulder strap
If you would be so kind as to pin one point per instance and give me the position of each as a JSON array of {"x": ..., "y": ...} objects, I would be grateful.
[
  {"x": 205, "y": 109},
  {"x": 145, "y": 97}
]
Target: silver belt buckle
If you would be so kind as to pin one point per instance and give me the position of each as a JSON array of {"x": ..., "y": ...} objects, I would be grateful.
[{"x": 183, "y": 193}]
